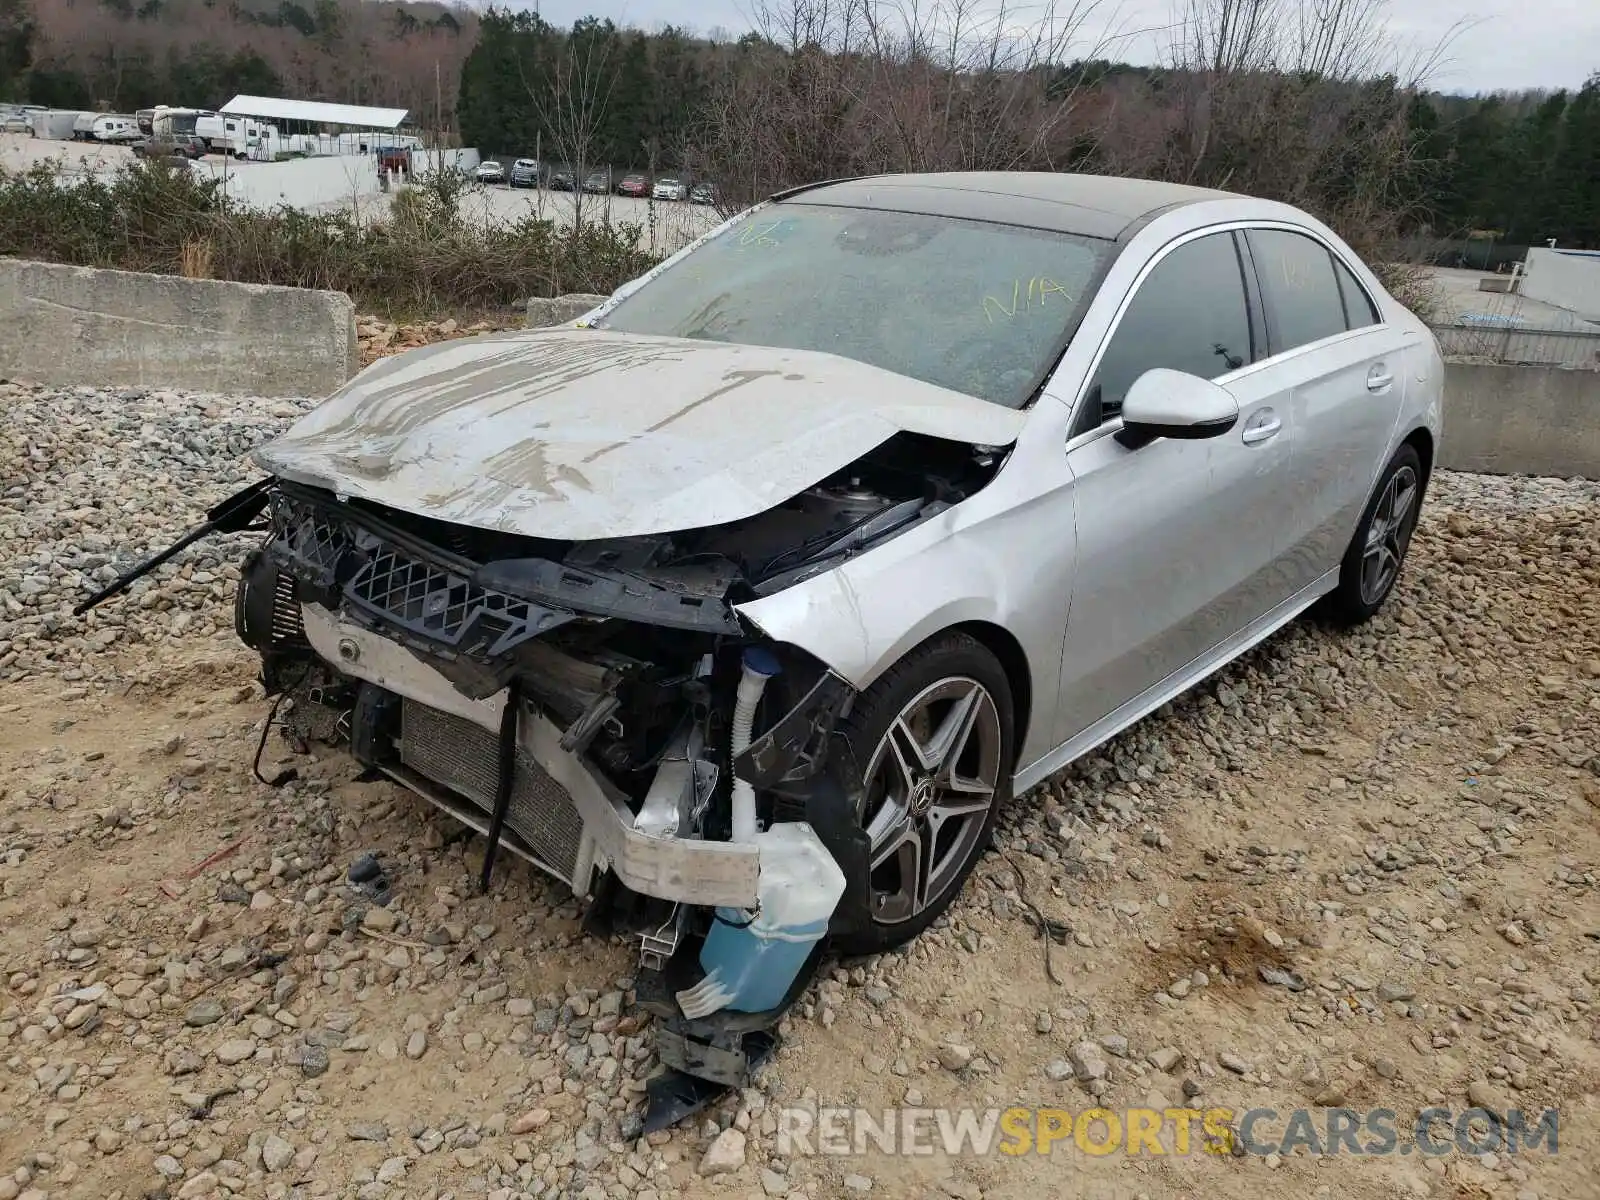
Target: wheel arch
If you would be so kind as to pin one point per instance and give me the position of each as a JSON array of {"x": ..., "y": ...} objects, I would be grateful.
[
  {"x": 1003, "y": 644},
  {"x": 1420, "y": 439}
]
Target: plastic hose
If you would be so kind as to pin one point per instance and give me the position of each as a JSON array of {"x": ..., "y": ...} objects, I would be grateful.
[{"x": 759, "y": 666}]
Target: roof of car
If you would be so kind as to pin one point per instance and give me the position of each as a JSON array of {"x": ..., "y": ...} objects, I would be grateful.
[{"x": 1093, "y": 205}]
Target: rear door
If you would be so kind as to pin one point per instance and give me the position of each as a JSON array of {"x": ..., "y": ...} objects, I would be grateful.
[{"x": 1341, "y": 369}]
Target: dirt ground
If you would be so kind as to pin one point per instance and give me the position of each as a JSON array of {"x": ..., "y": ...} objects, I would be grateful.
[{"x": 1358, "y": 870}]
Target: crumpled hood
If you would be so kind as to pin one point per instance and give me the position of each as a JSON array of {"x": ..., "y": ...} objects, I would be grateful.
[{"x": 577, "y": 434}]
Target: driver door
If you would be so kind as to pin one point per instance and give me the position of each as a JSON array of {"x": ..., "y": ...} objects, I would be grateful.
[{"x": 1178, "y": 541}]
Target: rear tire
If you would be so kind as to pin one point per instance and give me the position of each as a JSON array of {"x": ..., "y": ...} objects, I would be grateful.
[
  {"x": 933, "y": 743},
  {"x": 1376, "y": 555}
]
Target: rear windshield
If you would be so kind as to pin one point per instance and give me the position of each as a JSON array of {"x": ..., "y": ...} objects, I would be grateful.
[{"x": 969, "y": 305}]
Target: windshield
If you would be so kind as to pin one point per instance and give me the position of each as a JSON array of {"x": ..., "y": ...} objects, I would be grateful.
[{"x": 969, "y": 305}]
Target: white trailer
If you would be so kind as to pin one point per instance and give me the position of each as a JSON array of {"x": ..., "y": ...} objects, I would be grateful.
[
  {"x": 115, "y": 129},
  {"x": 233, "y": 135},
  {"x": 57, "y": 124}
]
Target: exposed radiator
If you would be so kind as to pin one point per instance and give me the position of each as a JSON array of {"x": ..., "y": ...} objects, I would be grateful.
[{"x": 457, "y": 754}]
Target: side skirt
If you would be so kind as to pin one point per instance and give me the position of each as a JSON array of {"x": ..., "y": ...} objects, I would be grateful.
[{"x": 1174, "y": 685}]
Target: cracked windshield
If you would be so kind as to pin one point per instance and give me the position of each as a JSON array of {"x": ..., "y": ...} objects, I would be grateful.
[{"x": 969, "y": 305}]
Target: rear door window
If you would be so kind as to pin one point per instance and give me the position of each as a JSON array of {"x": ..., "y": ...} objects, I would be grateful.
[{"x": 1299, "y": 289}]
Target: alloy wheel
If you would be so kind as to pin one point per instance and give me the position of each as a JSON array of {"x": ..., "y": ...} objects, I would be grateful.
[
  {"x": 1387, "y": 535},
  {"x": 930, "y": 784}
]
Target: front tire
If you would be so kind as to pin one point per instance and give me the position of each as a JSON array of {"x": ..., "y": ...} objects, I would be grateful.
[
  {"x": 933, "y": 743},
  {"x": 1377, "y": 552}
]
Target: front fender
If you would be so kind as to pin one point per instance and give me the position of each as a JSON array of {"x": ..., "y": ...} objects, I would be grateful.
[{"x": 865, "y": 615}]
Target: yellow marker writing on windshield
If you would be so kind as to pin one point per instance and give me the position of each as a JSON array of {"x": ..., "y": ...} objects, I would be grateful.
[
  {"x": 1025, "y": 299},
  {"x": 758, "y": 235}
]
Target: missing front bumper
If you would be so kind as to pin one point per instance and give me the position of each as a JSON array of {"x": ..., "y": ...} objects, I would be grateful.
[{"x": 567, "y": 818}]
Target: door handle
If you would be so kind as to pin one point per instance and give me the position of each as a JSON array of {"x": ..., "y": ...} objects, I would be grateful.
[
  {"x": 1265, "y": 424},
  {"x": 1378, "y": 378}
]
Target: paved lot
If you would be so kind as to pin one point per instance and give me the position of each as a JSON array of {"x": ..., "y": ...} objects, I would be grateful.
[
  {"x": 1456, "y": 293},
  {"x": 1402, "y": 821},
  {"x": 663, "y": 226},
  {"x": 19, "y": 152}
]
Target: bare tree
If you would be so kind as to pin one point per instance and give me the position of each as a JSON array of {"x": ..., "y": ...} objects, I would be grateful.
[
  {"x": 834, "y": 87},
  {"x": 1304, "y": 101},
  {"x": 579, "y": 73}
]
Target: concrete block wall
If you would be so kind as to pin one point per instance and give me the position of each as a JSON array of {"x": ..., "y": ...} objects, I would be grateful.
[
  {"x": 1507, "y": 420},
  {"x": 67, "y": 326}
]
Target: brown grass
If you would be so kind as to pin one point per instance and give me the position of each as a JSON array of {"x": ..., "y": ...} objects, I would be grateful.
[{"x": 194, "y": 260}]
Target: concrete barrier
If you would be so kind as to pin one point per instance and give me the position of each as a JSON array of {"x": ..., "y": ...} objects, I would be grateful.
[
  {"x": 558, "y": 310},
  {"x": 76, "y": 325},
  {"x": 1521, "y": 420}
]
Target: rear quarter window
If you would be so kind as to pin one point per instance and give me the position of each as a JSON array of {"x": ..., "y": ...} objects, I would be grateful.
[{"x": 1359, "y": 310}]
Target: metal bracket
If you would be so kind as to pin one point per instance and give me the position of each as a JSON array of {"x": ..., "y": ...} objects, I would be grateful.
[{"x": 657, "y": 947}]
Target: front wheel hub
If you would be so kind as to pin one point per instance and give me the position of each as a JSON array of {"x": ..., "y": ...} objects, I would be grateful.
[{"x": 930, "y": 784}]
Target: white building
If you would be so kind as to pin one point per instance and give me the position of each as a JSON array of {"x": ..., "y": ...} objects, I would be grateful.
[
  {"x": 310, "y": 127},
  {"x": 1569, "y": 279}
]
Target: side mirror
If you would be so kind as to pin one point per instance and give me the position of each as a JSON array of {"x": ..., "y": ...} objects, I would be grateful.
[{"x": 1163, "y": 403}]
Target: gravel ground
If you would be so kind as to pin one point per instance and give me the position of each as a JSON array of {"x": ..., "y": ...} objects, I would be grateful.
[{"x": 1354, "y": 869}]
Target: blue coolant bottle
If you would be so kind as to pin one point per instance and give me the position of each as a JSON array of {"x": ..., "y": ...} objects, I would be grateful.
[{"x": 751, "y": 959}]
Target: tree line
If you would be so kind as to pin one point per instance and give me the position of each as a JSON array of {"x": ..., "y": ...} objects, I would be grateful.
[
  {"x": 124, "y": 55},
  {"x": 1524, "y": 167},
  {"x": 1305, "y": 101}
]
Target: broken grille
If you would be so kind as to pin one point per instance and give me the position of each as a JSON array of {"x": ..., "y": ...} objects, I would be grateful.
[
  {"x": 311, "y": 538},
  {"x": 400, "y": 587},
  {"x": 464, "y": 757},
  {"x": 440, "y": 604}
]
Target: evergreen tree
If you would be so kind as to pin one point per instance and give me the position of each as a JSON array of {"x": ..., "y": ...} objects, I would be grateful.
[{"x": 16, "y": 47}]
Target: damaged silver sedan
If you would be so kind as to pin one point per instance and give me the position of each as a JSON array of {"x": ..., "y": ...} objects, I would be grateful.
[{"x": 743, "y": 604}]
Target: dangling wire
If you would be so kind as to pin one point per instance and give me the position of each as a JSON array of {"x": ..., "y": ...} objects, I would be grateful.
[
  {"x": 289, "y": 774},
  {"x": 505, "y": 780}
]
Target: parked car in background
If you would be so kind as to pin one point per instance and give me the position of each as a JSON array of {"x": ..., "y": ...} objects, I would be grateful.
[
  {"x": 634, "y": 184},
  {"x": 183, "y": 145},
  {"x": 669, "y": 189},
  {"x": 703, "y": 193},
  {"x": 562, "y": 181},
  {"x": 490, "y": 170},
  {"x": 597, "y": 183},
  {"x": 16, "y": 122},
  {"x": 525, "y": 173}
]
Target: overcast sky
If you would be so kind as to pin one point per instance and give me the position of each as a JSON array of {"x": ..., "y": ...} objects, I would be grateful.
[{"x": 1510, "y": 44}]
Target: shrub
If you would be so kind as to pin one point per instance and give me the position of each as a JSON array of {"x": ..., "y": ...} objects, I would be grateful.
[{"x": 425, "y": 258}]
